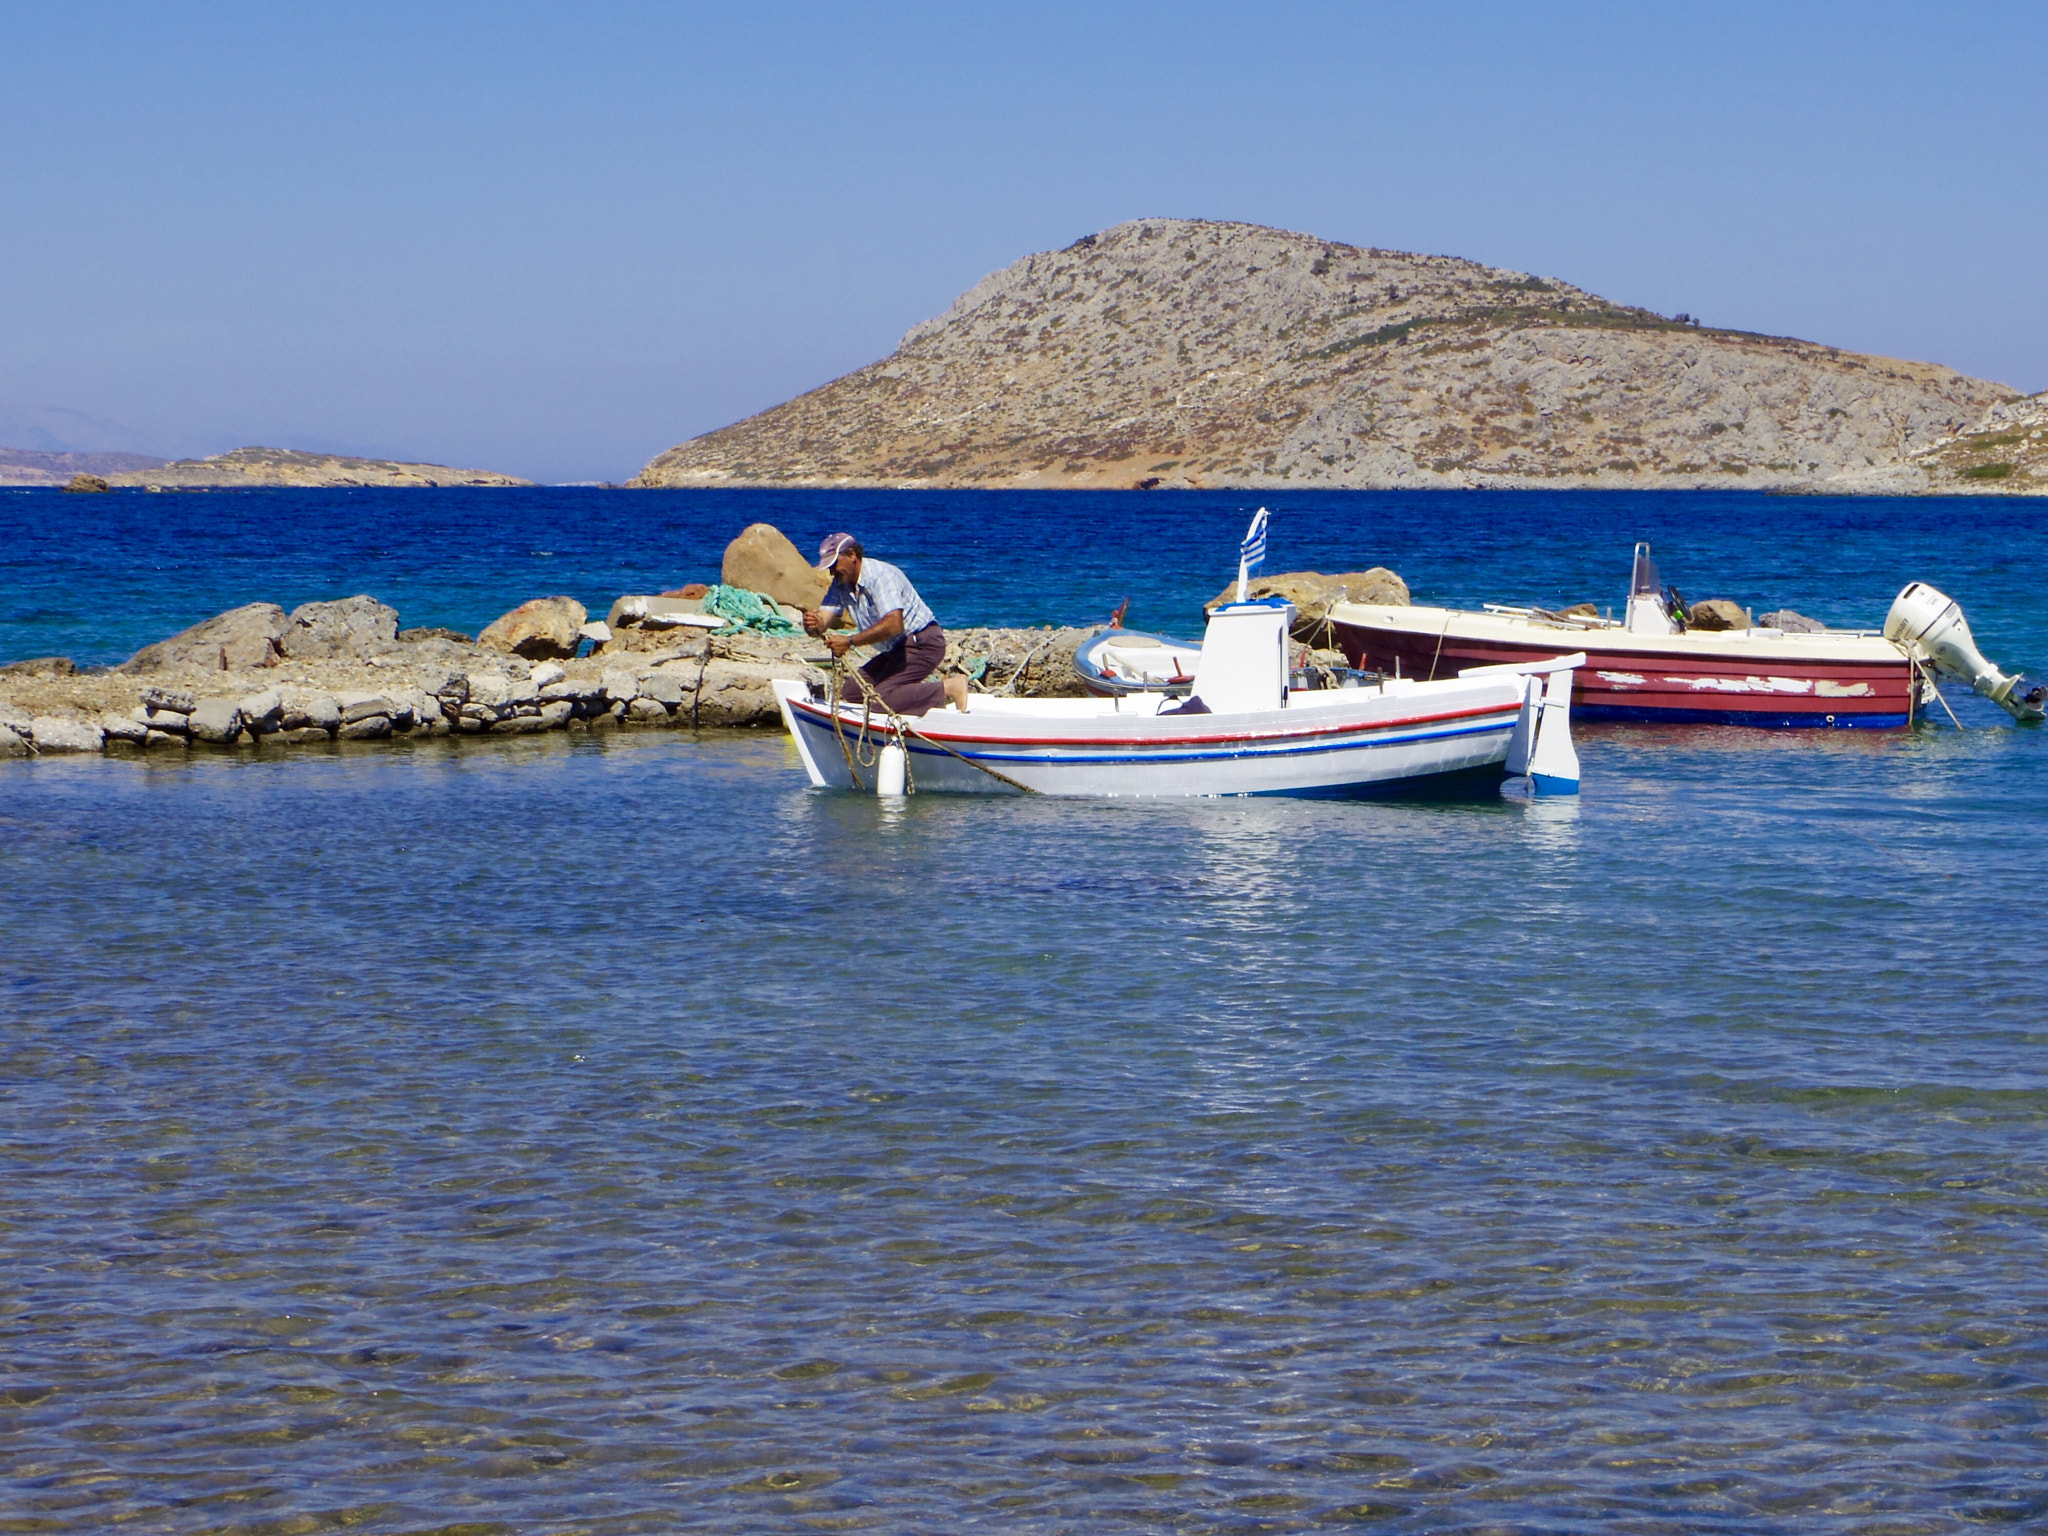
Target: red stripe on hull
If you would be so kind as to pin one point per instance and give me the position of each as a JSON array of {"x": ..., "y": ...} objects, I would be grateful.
[{"x": 1692, "y": 685}]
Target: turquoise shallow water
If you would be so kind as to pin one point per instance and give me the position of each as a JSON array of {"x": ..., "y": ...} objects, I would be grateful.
[{"x": 614, "y": 1135}]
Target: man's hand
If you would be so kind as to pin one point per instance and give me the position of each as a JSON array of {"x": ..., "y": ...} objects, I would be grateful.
[
  {"x": 814, "y": 622},
  {"x": 838, "y": 645}
]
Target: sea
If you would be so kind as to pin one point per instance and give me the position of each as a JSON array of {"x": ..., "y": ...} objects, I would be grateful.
[{"x": 613, "y": 1134}]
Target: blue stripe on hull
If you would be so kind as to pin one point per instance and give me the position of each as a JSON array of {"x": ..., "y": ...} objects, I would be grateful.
[
  {"x": 1354, "y": 744},
  {"x": 1770, "y": 719}
]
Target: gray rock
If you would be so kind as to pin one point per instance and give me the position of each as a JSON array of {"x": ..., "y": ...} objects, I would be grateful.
[
  {"x": 165, "y": 739},
  {"x": 354, "y": 628},
  {"x": 12, "y": 745},
  {"x": 303, "y": 735},
  {"x": 316, "y": 711},
  {"x": 216, "y": 720},
  {"x": 556, "y": 714},
  {"x": 53, "y": 733},
  {"x": 14, "y": 717},
  {"x": 173, "y": 699},
  {"x": 545, "y": 673},
  {"x": 240, "y": 640},
  {"x": 519, "y": 725},
  {"x": 521, "y": 690},
  {"x": 663, "y": 687},
  {"x": 1787, "y": 622},
  {"x": 263, "y": 712},
  {"x": 445, "y": 683},
  {"x": 45, "y": 666},
  {"x": 123, "y": 728},
  {"x": 489, "y": 688},
  {"x": 368, "y": 728},
  {"x": 164, "y": 720},
  {"x": 621, "y": 684},
  {"x": 736, "y": 693},
  {"x": 569, "y": 689},
  {"x": 357, "y": 707},
  {"x": 647, "y": 712}
]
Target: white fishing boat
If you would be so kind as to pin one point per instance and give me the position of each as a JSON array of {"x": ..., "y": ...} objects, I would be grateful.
[{"x": 1240, "y": 731}]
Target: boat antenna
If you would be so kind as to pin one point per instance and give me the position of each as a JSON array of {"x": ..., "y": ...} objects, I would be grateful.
[{"x": 1251, "y": 552}]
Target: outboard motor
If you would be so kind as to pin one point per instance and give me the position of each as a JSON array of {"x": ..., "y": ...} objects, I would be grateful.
[{"x": 1932, "y": 628}]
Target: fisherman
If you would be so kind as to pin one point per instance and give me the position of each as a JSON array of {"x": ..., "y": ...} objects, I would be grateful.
[{"x": 877, "y": 601}]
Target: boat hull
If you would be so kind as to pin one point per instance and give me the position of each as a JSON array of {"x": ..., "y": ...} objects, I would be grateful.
[
  {"x": 1753, "y": 678},
  {"x": 1374, "y": 745}
]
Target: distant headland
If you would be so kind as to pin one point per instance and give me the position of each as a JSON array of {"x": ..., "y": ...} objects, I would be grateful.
[
  {"x": 1190, "y": 353},
  {"x": 243, "y": 467}
]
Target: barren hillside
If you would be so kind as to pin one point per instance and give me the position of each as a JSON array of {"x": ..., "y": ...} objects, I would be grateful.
[{"x": 1189, "y": 353}]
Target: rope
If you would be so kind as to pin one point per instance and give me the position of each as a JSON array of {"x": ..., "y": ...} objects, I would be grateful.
[
  {"x": 1024, "y": 665},
  {"x": 903, "y": 729},
  {"x": 742, "y": 609}
]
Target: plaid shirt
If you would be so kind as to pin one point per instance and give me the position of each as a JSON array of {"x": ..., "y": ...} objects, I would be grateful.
[{"x": 882, "y": 589}]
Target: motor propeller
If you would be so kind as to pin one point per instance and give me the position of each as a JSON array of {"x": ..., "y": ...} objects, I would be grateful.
[{"x": 1930, "y": 625}]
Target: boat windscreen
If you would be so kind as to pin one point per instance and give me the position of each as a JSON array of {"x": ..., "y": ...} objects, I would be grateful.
[{"x": 1644, "y": 580}]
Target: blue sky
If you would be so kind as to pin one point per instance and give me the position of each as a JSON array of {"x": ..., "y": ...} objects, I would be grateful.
[{"x": 556, "y": 239}]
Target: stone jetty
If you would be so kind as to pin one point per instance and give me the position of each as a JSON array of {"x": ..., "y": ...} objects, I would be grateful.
[{"x": 258, "y": 678}]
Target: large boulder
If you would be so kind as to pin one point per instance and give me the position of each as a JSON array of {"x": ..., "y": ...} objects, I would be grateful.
[
  {"x": 1717, "y": 613},
  {"x": 762, "y": 559},
  {"x": 1314, "y": 594},
  {"x": 239, "y": 640},
  {"x": 56, "y": 666},
  {"x": 87, "y": 485},
  {"x": 546, "y": 627},
  {"x": 350, "y": 629}
]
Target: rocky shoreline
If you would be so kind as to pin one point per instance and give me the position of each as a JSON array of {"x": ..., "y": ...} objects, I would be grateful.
[
  {"x": 345, "y": 672},
  {"x": 698, "y": 658}
]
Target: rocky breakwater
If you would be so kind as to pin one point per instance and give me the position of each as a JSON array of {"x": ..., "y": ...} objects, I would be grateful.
[{"x": 326, "y": 674}]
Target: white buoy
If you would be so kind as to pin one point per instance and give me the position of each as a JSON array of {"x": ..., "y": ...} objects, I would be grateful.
[{"x": 892, "y": 770}]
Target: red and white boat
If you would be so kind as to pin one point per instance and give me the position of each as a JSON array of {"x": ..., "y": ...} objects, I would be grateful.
[{"x": 1647, "y": 667}]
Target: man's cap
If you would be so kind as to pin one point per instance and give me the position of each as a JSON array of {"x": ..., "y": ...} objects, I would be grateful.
[{"x": 833, "y": 547}]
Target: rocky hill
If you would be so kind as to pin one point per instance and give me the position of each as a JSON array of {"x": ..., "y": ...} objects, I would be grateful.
[
  {"x": 288, "y": 467},
  {"x": 35, "y": 466},
  {"x": 1170, "y": 352}
]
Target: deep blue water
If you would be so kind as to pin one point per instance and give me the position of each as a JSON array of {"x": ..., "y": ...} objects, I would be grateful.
[
  {"x": 96, "y": 578},
  {"x": 611, "y": 1134}
]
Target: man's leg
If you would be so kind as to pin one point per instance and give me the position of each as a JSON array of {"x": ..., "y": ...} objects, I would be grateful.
[{"x": 910, "y": 689}]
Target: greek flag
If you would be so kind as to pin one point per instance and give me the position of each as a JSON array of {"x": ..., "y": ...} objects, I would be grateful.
[{"x": 1253, "y": 551}]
